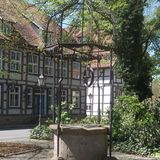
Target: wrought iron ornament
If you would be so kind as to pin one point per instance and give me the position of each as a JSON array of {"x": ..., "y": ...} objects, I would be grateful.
[{"x": 88, "y": 76}]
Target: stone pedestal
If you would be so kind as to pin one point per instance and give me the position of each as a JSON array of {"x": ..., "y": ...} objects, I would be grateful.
[{"x": 81, "y": 142}]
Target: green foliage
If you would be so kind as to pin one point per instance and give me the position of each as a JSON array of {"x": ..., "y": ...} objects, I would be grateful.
[
  {"x": 152, "y": 25},
  {"x": 91, "y": 120},
  {"x": 49, "y": 121},
  {"x": 42, "y": 132},
  {"x": 66, "y": 112},
  {"x": 136, "y": 125},
  {"x": 135, "y": 63},
  {"x": 88, "y": 120},
  {"x": 66, "y": 115}
]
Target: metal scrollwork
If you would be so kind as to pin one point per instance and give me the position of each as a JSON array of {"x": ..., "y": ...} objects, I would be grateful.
[{"x": 88, "y": 76}]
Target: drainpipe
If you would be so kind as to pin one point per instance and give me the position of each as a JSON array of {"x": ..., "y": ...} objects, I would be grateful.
[
  {"x": 99, "y": 109},
  {"x": 111, "y": 104}
]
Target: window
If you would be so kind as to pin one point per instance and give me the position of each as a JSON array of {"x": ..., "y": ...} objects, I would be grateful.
[
  {"x": 64, "y": 95},
  {"x": 88, "y": 107},
  {"x": 35, "y": 27},
  {"x": 1, "y": 60},
  {"x": 15, "y": 61},
  {"x": 32, "y": 64},
  {"x": 29, "y": 96},
  {"x": 5, "y": 27},
  {"x": 76, "y": 70},
  {"x": 48, "y": 67},
  {"x": 64, "y": 70},
  {"x": 14, "y": 96},
  {"x": 49, "y": 98},
  {"x": 76, "y": 98}
]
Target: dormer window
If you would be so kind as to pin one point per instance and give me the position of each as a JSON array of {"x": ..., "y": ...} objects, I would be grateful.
[
  {"x": 36, "y": 28},
  {"x": 49, "y": 38},
  {"x": 5, "y": 27}
]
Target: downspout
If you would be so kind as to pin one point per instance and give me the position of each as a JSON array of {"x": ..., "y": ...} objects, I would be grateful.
[{"x": 111, "y": 104}]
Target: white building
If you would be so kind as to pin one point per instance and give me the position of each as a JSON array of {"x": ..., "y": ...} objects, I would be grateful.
[{"x": 104, "y": 98}]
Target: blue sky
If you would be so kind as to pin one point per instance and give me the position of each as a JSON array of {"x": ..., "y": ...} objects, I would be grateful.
[
  {"x": 151, "y": 9},
  {"x": 30, "y": 1},
  {"x": 148, "y": 11}
]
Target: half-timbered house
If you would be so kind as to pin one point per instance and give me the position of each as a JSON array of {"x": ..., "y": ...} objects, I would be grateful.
[
  {"x": 23, "y": 60},
  {"x": 102, "y": 93}
]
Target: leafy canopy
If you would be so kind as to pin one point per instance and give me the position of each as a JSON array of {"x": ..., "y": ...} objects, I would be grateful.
[{"x": 124, "y": 20}]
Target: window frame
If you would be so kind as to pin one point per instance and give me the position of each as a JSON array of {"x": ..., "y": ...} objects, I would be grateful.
[
  {"x": 76, "y": 97},
  {"x": 76, "y": 68},
  {"x": 34, "y": 66},
  {"x": 64, "y": 96},
  {"x": 6, "y": 27},
  {"x": 15, "y": 64},
  {"x": 48, "y": 68},
  {"x": 49, "y": 98},
  {"x": 14, "y": 93},
  {"x": 64, "y": 69},
  {"x": 30, "y": 94}
]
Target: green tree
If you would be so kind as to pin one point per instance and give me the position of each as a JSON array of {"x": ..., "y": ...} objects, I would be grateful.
[
  {"x": 153, "y": 27},
  {"x": 135, "y": 63},
  {"x": 136, "y": 124}
]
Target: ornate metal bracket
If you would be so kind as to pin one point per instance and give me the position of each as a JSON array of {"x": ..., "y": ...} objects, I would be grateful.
[{"x": 88, "y": 76}]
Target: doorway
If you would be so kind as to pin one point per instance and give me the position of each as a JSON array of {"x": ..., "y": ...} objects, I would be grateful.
[{"x": 36, "y": 100}]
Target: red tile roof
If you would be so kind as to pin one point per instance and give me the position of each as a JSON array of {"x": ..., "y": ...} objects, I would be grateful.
[{"x": 23, "y": 16}]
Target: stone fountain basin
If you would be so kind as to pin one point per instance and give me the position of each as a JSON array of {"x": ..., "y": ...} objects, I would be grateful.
[{"x": 81, "y": 142}]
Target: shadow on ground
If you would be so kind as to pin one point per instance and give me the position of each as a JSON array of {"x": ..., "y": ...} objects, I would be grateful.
[
  {"x": 112, "y": 158},
  {"x": 13, "y": 127}
]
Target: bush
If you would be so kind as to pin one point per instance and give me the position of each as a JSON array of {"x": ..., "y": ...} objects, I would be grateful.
[
  {"x": 66, "y": 112},
  {"x": 42, "y": 132},
  {"x": 136, "y": 125},
  {"x": 91, "y": 120}
]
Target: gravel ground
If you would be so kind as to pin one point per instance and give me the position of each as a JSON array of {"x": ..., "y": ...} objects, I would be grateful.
[
  {"x": 47, "y": 152},
  {"x": 123, "y": 156},
  {"x": 44, "y": 154}
]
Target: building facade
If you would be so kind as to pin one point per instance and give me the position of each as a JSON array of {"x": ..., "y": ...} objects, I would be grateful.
[
  {"x": 102, "y": 97},
  {"x": 22, "y": 61}
]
